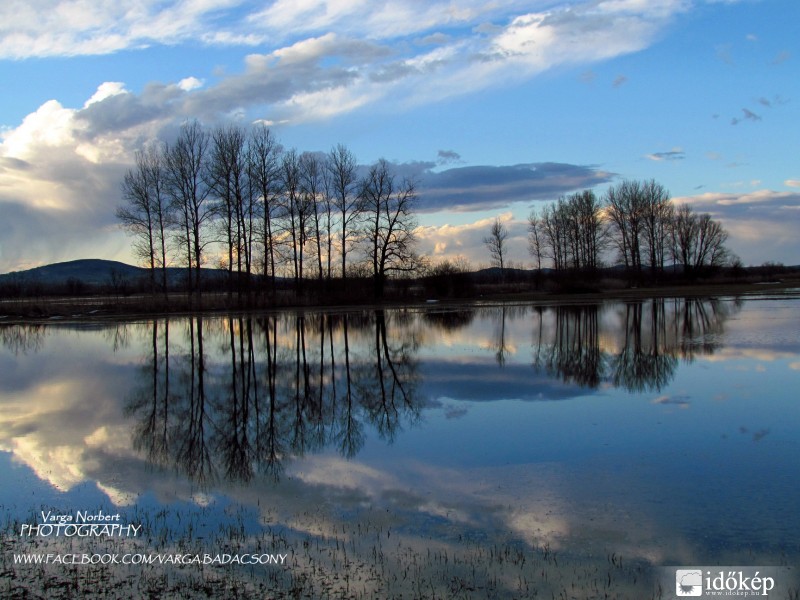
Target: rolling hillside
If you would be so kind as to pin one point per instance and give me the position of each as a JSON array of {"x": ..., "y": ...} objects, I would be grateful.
[{"x": 92, "y": 272}]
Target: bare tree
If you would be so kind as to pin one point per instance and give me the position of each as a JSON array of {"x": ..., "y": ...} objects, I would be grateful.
[
  {"x": 295, "y": 211},
  {"x": 570, "y": 231},
  {"x": 535, "y": 238},
  {"x": 712, "y": 236},
  {"x": 312, "y": 170},
  {"x": 625, "y": 209},
  {"x": 146, "y": 214},
  {"x": 684, "y": 236},
  {"x": 496, "y": 243},
  {"x": 656, "y": 222},
  {"x": 344, "y": 185},
  {"x": 586, "y": 228},
  {"x": 264, "y": 160},
  {"x": 553, "y": 230},
  {"x": 328, "y": 209},
  {"x": 697, "y": 240},
  {"x": 227, "y": 171},
  {"x": 389, "y": 223},
  {"x": 188, "y": 189},
  {"x": 137, "y": 214}
]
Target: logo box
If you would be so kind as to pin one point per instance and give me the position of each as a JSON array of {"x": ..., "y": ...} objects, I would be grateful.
[{"x": 688, "y": 582}]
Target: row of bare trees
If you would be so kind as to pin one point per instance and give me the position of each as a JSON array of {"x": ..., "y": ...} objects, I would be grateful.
[
  {"x": 635, "y": 220},
  {"x": 235, "y": 197}
]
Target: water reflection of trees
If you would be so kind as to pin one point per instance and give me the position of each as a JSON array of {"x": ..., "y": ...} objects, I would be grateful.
[
  {"x": 234, "y": 397},
  {"x": 574, "y": 353},
  {"x": 638, "y": 352},
  {"x": 21, "y": 339},
  {"x": 449, "y": 319},
  {"x": 230, "y": 398}
]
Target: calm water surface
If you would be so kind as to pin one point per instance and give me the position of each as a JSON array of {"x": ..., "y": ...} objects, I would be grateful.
[{"x": 662, "y": 431}]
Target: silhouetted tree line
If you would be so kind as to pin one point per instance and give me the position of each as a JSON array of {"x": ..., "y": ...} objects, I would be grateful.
[
  {"x": 236, "y": 197},
  {"x": 636, "y": 222}
]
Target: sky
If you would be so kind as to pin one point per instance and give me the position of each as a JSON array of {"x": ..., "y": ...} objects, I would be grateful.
[{"x": 494, "y": 107}]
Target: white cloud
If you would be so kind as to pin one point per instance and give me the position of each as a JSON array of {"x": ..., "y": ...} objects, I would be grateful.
[
  {"x": 49, "y": 126},
  {"x": 449, "y": 241},
  {"x": 375, "y": 20},
  {"x": 522, "y": 43},
  {"x": 106, "y": 90},
  {"x": 336, "y": 58},
  {"x": 60, "y": 179},
  {"x": 352, "y": 60},
  {"x": 75, "y": 27},
  {"x": 306, "y": 15},
  {"x": 792, "y": 183},
  {"x": 710, "y": 200},
  {"x": 190, "y": 83}
]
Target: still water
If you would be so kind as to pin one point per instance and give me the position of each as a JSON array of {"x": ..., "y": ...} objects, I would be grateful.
[{"x": 479, "y": 451}]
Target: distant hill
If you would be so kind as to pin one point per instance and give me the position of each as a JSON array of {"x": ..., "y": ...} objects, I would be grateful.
[{"x": 93, "y": 272}]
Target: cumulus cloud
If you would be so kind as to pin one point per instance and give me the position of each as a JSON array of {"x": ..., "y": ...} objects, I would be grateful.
[{"x": 60, "y": 181}]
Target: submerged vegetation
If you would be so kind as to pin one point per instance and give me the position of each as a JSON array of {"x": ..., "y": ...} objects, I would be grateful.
[{"x": 370, "y": 558}]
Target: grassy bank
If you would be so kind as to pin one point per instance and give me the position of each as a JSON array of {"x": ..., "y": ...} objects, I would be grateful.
[{"x": 357, "y": 293}]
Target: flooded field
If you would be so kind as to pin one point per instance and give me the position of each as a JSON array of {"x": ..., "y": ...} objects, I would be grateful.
[{"x": 514, "y": 451}]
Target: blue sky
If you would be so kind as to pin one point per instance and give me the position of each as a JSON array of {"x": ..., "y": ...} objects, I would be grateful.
[{"x": 494, "y": 106}]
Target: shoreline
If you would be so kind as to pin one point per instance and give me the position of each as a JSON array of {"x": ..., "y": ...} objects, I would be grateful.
[{"x": 93, "y": 309}]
